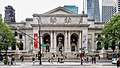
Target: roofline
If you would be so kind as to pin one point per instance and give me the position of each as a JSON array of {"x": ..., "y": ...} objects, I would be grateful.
[
  {"x": 60, "y": 15},
  {"x": 62, "y": 8}
]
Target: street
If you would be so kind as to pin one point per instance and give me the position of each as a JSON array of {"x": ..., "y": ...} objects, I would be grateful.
[{"x": 59, "y": 65}]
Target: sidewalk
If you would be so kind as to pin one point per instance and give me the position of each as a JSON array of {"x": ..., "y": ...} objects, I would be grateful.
[
  {"x": 61, "y": 64},
  {"x": 76, "y": 64}
]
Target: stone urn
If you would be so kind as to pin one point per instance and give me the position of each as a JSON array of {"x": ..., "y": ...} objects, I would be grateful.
[{"x": 103, "y": 53}]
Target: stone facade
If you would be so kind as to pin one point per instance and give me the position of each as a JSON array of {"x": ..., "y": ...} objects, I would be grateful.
[{"x": 62, "y": 30}]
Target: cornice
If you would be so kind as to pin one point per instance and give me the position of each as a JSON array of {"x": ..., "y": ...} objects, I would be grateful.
[
  {"x": 60, "y": 15},
  {"x": 95, "y": 28},
  {"x": 60, "y": 25}
]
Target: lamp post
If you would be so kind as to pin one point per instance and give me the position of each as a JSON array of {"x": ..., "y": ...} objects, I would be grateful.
[{"x": 39, "y": 53}]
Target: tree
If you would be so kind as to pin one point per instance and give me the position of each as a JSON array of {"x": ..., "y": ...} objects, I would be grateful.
[
  {"x": 99, "y": 39},
  {"x": 6, "y": 36},
  {"x": 112, "y": 31}
]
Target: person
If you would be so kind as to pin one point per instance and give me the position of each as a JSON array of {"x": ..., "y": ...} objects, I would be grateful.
[
  {"x": 94, "y": 59},
  {"x": 99, "y": 57},
  {"x": 48, "y": 59},
  {"x": 9, "y": 60},
  {"x": 5, "y": 60},
  {"x": 22, "y": 58},
  {"x": 57, "y": 58},
  {"x": 33, "y": 60},
  {"x": 118, "y": 62},
  {"x": 87, "y": 59},
  {"x": 52, "y": 59},
  {"x": 13, "y": 60}
]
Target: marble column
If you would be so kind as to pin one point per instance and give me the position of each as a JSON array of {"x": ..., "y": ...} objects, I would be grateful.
[
  {"x": 65, "y": 44},
  {"x": 54, "y": 40},
  {"x": 80, "y": 41},
  {"x": 51, "y": 42},
  {"x": 69, "y": 46},
  {"x": 24, "y": 42}
]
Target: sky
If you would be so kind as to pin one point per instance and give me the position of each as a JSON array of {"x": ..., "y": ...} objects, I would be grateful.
[{"x": 26, "y": 8}]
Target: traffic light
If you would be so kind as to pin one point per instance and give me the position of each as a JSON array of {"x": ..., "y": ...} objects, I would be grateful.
[{"x": 16, "y": 33}]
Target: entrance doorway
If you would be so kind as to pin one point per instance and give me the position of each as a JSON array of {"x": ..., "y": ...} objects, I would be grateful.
[
  {"x": 46, "y": 40},
  {"x": 74, "y": 42},
  {"x": 60, "y": 43}
]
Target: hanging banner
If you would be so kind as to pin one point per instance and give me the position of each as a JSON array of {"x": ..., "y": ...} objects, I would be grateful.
[{"x": 36, "y": 40}]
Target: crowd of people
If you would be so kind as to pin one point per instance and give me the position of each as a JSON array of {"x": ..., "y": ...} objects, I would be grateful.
[{"x": 9, "y": 60}]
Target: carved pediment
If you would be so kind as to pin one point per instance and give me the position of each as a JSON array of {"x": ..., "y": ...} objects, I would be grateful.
[{"x": 60, "y": 10}]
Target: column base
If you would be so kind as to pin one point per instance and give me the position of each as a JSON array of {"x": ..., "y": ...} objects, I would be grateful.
[
  {"x": 52, "y": 50},
  {"x": 68, "y": 50}
]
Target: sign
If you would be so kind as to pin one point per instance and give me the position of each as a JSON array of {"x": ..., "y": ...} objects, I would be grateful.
[
  {"x": 36, "y": 40},
  {"x": 43, "y": 45}
]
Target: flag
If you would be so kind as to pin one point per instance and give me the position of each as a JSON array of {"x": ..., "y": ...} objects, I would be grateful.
[{"x": 36, "y": 40}]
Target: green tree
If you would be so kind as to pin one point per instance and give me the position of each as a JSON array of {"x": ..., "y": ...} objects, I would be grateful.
[
  {"x": 112, "y": 31},
  {"x": 99, "y": 43},
  {"x": 6, "y": 36}
]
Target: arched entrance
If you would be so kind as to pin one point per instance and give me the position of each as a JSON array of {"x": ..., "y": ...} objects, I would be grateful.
[
  {"x": 60, "y": 43},
  {"x": 99, "y": 47},
  {"x": 14, "y": 46},
  {"x": 74, "y": 42},
  {"x": 46, "y": 40}
]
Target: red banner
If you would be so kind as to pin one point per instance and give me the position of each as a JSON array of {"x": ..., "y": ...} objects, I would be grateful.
[{"x": 36, "y": 40}]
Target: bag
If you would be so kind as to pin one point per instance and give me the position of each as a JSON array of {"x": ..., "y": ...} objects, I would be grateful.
[
  {"x": 48, "y": 60},
  {"x": 53, "y": 55}
]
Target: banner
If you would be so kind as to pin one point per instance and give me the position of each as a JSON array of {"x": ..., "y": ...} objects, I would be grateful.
[{"x": 36, "y": 40}]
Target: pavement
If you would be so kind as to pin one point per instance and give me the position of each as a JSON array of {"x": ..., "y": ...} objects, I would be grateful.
[
  {"x": 63, "y": 64},
  {"x": 59, "y": 65}
]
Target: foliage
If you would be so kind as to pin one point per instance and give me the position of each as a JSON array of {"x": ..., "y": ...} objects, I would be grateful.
[
  {"x": 111, "y": 31},
  {"x": 99, "y": 39},
  {"x": 6, "y": 36}
]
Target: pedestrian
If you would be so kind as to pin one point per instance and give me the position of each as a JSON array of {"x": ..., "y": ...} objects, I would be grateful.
[
  {"x": 57, "y": 58},
  {"x": 22, "y": 58},
  {"x": 5, "y": 60},
  {"x": 13, "y": 60},
  {"x": 9, "y": 60},
  {"x": 118, "y": 61},
  {"x": 48, "y": 59},
  {"x": 94, "y": 59},
  {"x": 87, "y": 59},
  {"x": 99, "y": 57},
  {"x": 33, "y": 60},
  {"x": 52, "y": 60}
]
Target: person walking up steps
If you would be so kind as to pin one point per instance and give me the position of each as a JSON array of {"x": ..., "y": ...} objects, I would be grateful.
[{"x": 33, "y": 60}]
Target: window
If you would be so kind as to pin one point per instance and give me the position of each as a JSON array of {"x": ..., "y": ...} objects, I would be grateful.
[
  {"x": 73, "y": 48},
  {"x": 20, "y": 36}
]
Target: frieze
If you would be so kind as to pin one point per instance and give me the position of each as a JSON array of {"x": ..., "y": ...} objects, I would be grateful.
[
  {"x": 53, "y": 19},
  {"x": 67, "y": 20},
  {"x": 60, "y": 15},
  {"x": 61, "y": 25},
  {"x": 81, "y": 20}
]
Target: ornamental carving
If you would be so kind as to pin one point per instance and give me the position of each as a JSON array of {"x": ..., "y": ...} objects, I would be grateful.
[
  {"x": 39, "y": 19},
  {"x": 81, "y": 20},
  {"x": 53, "y": 19},
  {"x": 67, "y": 20}
]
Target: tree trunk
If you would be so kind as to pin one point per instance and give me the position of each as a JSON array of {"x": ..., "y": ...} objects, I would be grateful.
[{"x": 6, "y": 52}]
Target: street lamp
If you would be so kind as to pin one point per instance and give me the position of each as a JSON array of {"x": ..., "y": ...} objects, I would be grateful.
[{"x": 39, "y": 53}]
